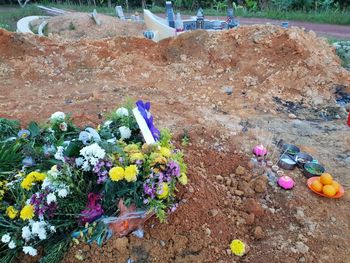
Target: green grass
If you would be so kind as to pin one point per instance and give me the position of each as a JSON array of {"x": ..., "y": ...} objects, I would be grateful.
[
  {"x": 84, "y": 8},
  {"x": 328, "y": 17},
  {"x": 8, "y": 19}
]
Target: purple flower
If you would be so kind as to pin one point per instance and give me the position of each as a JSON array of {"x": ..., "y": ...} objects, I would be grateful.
[
  {"x": 160, "y": 177},
  {"x": 70, "y": 160},
  {"x": 101, "y": 179},
  {"x": 109, "y": 164},
  {"x": 150, "y": 190},
  {"x": 144, "y": 110},
  {"x": 173, "y": 208},
  {"x": 94, "y": 209},
  {"x": 101, "y": 169},
  {"x": 173, "y": 169},
  {"x": 41, "y": 207}
]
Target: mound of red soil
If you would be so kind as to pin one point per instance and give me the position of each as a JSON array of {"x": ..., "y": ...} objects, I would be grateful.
[
  {"x": 76, "y": 26},
  {"x": 219, "y": 86}
]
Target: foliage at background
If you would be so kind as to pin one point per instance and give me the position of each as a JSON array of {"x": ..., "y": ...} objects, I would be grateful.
[{"x": 305, "y": 5}]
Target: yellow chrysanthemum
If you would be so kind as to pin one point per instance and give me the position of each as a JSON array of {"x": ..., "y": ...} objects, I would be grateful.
[
  {"x": 32, "y": 178},
  {"x": 27, "y": 212},
  {"x": 159, "y": 160},
  {"x": 39, "y": 177},
  {"x": 11, "y": 212},
  {"x": 183, "y": 179},
  {"x": 136, "y": 156},
  {"x": 27, "y": 182},
  {"x": 165, "y": 151},
  {"x": 117, "y": 173},
  {"x": 131, "y": 173},
  {"x": 132, "y": 148},
  {"x": 163, "y": 191},
  {"x": 237, "y": 247}
]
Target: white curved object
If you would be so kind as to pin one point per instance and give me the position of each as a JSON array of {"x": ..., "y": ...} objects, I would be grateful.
[
  {"x": 23, "y": 25},
  {"x": 158, "y": 25},
  {"x": 41, "y": 28}
]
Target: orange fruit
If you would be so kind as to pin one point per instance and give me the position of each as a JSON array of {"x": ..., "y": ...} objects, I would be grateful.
[
  {"x": 317, "y": 186},
  {"x": 329, "y": 190},
  {"x": 336, "y": 185},
  {"x": 326, "y": 178}
]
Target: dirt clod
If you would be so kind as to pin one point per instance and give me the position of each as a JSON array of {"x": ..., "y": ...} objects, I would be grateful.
[
  {"x": 240, "y": 170},
  {"x": 258, "y": 232}
]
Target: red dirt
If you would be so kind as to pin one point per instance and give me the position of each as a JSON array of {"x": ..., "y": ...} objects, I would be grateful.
[{"x": 273, "y": 73}]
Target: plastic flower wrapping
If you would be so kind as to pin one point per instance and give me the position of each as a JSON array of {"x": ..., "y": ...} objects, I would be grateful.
[{"x": 59, "y": 182}]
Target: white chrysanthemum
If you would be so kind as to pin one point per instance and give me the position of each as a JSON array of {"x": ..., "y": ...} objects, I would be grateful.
[
  {"x": 26, "y": 233},
  {"x": 50, "y": 198},
  {"x": 125, "y": 132},
  {"x": 58, "y": 116},
  {"x": 53, "y": 229},
  {"x": 93, "y": 161},
  {"x": 42, "y": 234},
  {"x": 6, "y": 238},
  {"x": 112, "y": 140},
  {"x": 62, "y": 193},
  {"x": 107, "y": 123},
  {"x": 93, "y": 150},
  {"x": 12, "y": 244},
  {"x": 36, "y": 225},
  {"x": 94, "y": 134},
  {"x": 46, "y": 183},
  {"x": 59, "y": 154},
  {"x": 86, "y": 167},
  {"x": 79, "y": 161},
  {"x": 122, "y": 112},
  {"x": 30, "y": 251}
]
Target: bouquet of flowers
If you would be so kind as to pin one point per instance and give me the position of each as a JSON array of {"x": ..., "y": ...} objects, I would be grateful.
[{"x": 58, "y": 181}]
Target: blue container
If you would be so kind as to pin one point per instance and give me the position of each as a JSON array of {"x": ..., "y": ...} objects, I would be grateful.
[
  {"x": 149, "y": 34},
  {"x": 285, "y": 24}
]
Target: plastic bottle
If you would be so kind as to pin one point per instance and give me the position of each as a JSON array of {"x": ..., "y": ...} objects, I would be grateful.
[{"x": 179, "y": 25}]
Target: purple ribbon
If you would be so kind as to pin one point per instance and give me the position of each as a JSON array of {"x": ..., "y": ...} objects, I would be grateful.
[{"x": 144, "y": 109}]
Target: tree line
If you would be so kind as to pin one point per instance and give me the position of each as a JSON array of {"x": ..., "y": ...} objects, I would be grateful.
[{"x": 253, "y": 5}]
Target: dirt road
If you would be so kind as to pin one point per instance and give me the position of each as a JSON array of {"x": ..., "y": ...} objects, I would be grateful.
[{"x": 334, "y": 31}]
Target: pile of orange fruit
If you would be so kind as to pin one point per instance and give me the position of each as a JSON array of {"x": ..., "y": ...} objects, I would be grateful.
[{"x": 326, "y": 185}]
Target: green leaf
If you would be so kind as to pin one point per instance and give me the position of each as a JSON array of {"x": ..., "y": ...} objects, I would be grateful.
[
  {"x": 34, "y": 129},
  {"x": 8, "y": 128},
  {"x": 10, "y": 156},
  {"x": 73, "y": 148}
]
